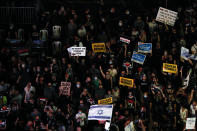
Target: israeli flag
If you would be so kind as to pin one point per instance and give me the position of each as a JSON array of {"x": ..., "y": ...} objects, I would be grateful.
[{"x": 100, "y": 112}]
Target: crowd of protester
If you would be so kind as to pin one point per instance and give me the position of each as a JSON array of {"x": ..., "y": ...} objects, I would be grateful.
[{"x": 31, "y": 98}]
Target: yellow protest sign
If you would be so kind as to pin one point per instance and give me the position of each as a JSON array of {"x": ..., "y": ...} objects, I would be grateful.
[
  {"x": 126, "y": 82},
  {"x": 170, "y": 68},
  {"x": 98, "y": 47},
  {"x": 105, "y": 101}
]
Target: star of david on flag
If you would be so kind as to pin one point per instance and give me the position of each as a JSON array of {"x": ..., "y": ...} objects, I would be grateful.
[{"x": 100, "y": 112}]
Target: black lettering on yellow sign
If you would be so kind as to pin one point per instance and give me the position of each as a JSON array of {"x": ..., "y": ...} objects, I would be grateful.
[
  {"x": 126, "y": 82},
  {"x": 105, "y": 101},
  {"x": 170, "y": 68},
  {"x": 98, "y": 47}
]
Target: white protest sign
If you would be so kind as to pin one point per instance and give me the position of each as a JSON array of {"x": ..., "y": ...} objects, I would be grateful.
[
  {"x": 190, "y": 123},
  {"x": 77, "y": 51},
  {"x": 166, "y": 16},
  {"x": 130, "y": 127}
]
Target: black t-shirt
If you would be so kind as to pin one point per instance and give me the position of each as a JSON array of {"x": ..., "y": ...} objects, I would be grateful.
[{"x": 144, "y": 86}]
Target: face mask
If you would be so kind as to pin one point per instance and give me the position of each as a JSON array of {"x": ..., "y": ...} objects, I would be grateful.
[
  {"x": 95, "y": 78},
  {"x": 81, "y": 104},
  {"x": 103, "y": 20},
  {"x": 127, "y": 12},
  {"x": 110, "y": 62},
  {"x": 145, "y": 96},
  {"x": 23, "y": 65},
  {"x": 80, "y": 112},
  {"x": 120, "y": 23},
  {"x": 78, "y": 85}
]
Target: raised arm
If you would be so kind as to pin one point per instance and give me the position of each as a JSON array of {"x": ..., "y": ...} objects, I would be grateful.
[{"x": 101, "y": 70}]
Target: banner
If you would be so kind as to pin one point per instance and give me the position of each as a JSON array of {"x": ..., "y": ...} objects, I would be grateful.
[
  {"x": 144, "y": 47},
  {"x": 122, "y": 39},
  {"x": 126, "y": 82},
  {"x": 105, "y": 101},
  {"x": 170, "y": 68},
  {"x": 78, "y": 51},
  {"x": 130, "y": 127},
  {"x": 98, "y": 47},
  {"x": 65, "y": 88},
  {"x": 100, "y": 112},
  {"x": 190, "y": 123},
  {"x": 138, "y": 58},
  {"x": 166, "y": 16}
]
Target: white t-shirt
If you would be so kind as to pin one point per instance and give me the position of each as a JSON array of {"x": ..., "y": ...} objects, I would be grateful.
[
  {"x": 43, "y": 35},
  {"x": 193, "y": 111},
  {"x": 56, "y": 31},
  {"x": 80, "y": 117}
]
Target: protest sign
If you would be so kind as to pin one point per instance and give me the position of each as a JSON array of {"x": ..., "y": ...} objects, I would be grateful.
[
  {"x": 100, "y": 112},
  {"x": 122, "y": 39},
  {"x": 65, "y": 88},
  {"x": 138, "y": 58},
  {"x": 105, "y": 101},
  {"x": 166, "y": 16},
  {"x": 190, "y": 123},
  {"x": 98, "y": 47},
  {"x": 23, "y": 52},
  {"x": 144, "y": 47},
  {"x": 78, "y": 51},
  {"x": 170, "y": 68},
  {"x": 126, "y": 82},
  {"x": 130, "y": 127}
]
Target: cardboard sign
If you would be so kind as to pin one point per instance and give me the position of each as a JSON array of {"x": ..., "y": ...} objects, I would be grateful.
[
  {"x": 126, "y": 82},
  {"x": 98, "y": 47},
  {"x": 65, "y": 88},
  {"x": 190, "y": 123},
  {"x": 166, "y": 16},
  {"x": 138, "y": 58},
  {"x": 130, "y": 127},
  {"x": 105, "y": 101},
  {"x": 78, "y": 51},
  {"x": 122, "y": 39},
  {"x": 170, "y": 68},
  {"x": 144, "y": 47}
]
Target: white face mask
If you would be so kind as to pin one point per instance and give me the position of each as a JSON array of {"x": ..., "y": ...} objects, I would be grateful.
[
  {"x": 103, "y": 19},
  {"x": 23, "y": 65},
  {"x": 120, "y": 24},
  {"x": 127, "y": 12},
  {"x": 95, "y": 78}
]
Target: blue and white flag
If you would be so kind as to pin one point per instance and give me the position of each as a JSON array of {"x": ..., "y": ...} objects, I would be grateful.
[
  {"x": 138, "y": 58},
  {"x": 100, "y": 112},
  {"x": 185, "y": 54},
  {"x": 144, "y": 47}
]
